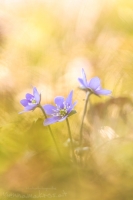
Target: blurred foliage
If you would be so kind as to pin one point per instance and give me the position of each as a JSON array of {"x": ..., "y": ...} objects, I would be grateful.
[{"x": 45, "y": 44}]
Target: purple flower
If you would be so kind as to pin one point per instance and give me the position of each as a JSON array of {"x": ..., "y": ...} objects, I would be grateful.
[
  {"x": 31, "y": 101},
  {"x": 94, "y": 85},
  {"x": 62, "y": 110}
]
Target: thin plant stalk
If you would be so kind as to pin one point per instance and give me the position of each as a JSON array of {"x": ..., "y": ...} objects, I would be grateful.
[
  {"x": 50, "y": 130},
  {"x": 70, "y": 135},
  {"x": 84, "y": 113}
]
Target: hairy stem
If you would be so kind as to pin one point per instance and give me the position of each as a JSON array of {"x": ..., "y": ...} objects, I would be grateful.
[
  {"x": 70, "y": 135},
  {"x": 84, "y": 113},
  {"x": 82, "y": 122},
  {"x": 50, "y": 130}
]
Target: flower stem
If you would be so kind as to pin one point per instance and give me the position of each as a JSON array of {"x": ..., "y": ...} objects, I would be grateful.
[
  {"x": 50, "y": 130},
  {"x": 70, "y": 135},
  {"x": 85, "y": 109}
]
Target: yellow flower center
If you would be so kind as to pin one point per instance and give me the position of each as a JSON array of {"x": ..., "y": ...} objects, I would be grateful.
[
  {"x": 33, "y": 101},
  {"x": 63, "y": 112}
]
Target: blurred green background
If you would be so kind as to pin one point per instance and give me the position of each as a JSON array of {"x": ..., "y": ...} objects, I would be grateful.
[{"x": 46, "y": 43}]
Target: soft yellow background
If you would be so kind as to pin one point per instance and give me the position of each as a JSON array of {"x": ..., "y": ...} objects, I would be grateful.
[{"x": 46, "y": 44}]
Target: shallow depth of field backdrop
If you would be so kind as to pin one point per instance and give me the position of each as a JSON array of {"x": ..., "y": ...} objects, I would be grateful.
[{"x": 46, "y": 43}]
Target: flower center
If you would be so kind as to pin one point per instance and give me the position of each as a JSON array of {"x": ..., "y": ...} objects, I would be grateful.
[
  {"x": 63, "y": 112},
  {"x": 33, "y": 101}
]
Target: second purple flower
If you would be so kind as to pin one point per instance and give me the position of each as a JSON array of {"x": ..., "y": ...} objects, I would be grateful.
[{"x": 60, "y": 111}]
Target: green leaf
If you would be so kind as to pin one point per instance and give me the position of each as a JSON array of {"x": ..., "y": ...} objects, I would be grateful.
[{"x": 72, "y": 113}]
